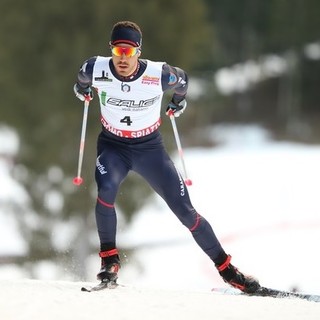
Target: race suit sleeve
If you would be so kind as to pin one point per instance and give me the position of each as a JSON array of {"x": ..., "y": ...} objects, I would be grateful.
[
  {"x": 85, "y": 73},
  {"x": 176, "y": 79}
]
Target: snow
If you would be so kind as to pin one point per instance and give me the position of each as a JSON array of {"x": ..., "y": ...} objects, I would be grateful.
[
  {"x": 11, "y": 194},
  {"x": 52, "y": 300},
  {"x": 9, "y": 141},
  {"x": 260, "y": 196}
]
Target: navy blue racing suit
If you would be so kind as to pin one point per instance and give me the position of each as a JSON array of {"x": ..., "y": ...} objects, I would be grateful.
[{"x": 145, "y": 155}]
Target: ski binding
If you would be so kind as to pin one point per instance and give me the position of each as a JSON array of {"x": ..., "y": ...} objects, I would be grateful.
[{"x": 104, "y": 284}]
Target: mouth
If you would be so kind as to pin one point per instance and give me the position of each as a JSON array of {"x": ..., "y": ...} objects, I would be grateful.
[{"x": 122, "y": 66}]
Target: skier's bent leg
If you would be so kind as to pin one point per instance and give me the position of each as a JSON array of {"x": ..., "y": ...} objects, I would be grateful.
[{"x": 108, "y": 181}]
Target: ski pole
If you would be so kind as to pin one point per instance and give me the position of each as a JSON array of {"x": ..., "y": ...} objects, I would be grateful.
[
  {"x": 78, "y": 179},
  {"x": 187, "y": 181}
]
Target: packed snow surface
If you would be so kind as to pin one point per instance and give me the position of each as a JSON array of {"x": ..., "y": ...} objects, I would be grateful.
[{"x": 56, "y": 300}]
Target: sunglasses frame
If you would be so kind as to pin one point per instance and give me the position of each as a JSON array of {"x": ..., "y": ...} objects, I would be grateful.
[{"x": 137, "y": 50}]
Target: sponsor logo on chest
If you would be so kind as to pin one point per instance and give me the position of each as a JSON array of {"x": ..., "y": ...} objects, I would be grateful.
[
  {"x": 150, "y": 80},
  {"x": 130, "y": 103}
]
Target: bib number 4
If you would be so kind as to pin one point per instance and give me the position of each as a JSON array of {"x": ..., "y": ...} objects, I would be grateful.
[{"x": 126, "y": 120}]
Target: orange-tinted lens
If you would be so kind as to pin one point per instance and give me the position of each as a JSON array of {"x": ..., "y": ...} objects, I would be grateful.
[{"x": 128, "y": 52}]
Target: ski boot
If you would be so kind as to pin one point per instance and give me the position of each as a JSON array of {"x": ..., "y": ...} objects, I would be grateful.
[
  {"x": 110, "y": 265},
  {"x": 235, "y": 278}
]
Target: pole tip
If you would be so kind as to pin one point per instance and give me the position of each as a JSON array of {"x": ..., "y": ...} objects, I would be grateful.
[{"x": 77, "y": 181}]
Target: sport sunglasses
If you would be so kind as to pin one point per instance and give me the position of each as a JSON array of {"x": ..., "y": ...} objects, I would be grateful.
[{"x": 127, "y": 51}]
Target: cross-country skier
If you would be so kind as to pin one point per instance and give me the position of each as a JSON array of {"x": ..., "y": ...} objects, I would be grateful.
[{"x": 130, "y": 92}]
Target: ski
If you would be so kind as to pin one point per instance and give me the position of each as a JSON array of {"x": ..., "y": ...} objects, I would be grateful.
[
  {"x": 263, "y": 291},
  {"x": 268, "y": 292},
  {"x": 106, "y": 284}
]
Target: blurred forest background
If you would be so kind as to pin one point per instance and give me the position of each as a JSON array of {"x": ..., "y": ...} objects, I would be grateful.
[{"x": 269, "y": 49}]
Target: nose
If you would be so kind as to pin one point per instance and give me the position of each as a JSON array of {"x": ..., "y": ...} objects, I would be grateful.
[{"x": 123, "y": 57}]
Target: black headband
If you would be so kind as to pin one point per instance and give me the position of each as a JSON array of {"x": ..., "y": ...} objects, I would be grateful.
[{"x": 126, "y": 35}]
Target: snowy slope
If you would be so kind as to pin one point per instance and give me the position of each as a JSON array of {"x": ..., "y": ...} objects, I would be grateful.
[{"x": 34, "y": 299}]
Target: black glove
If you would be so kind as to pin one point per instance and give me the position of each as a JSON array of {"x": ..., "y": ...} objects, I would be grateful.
[
  {"x": 176, "y": 109},
  {"x": 83, "y": 93}
]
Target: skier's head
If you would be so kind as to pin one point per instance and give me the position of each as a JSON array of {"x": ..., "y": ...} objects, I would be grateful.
[
  {"x": 126, "y": 32},
  {"x": 125, "y": 45}
]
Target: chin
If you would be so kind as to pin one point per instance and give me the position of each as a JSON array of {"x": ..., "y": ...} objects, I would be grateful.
[{"x": 123, "y": 73}]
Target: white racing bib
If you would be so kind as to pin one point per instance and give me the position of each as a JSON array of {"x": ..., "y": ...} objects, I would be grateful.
[{"x": 129, "y": 109}]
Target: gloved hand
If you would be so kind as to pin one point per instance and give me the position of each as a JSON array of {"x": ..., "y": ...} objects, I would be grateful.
[
  {"x": 83, "y": 93},
  {"x": 176, "y": 109}
]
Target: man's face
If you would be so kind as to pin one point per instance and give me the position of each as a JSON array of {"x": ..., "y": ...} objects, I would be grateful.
[{"x": 125, "y": 58}]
